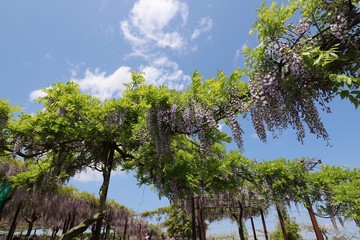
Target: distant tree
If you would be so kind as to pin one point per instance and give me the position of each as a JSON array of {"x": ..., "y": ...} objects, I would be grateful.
[
  {"x": 184, "y": 138},
  {"x": 173, "y": 218},
  {"x": 284, "y": 182},
  {"x": 234, "y": 197},
  {"x": 335, "y": 189},
  {"x": 6, "y": 114},
  {"x": 292, "y": 229},
  {"x": 75, "y": 131},
  {"x": 35, "y": 205}
]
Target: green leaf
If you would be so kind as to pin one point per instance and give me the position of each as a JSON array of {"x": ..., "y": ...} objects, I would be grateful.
[
  {"x": 317, "y": 61},
  {"x": 354, "y": 100},
  {"x": 348, "y": 81}
]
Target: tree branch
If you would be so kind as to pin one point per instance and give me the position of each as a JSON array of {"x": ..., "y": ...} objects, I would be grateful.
[{"x": 79, "y": 229}]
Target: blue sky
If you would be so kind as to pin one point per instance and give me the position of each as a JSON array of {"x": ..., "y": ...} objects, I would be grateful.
[{"x": 98, "y": 43}]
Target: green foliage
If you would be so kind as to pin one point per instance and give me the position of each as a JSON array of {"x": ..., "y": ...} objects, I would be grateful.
[
  {"x": 36, "y": 175},
  {"x": 307, "y": 53},
  {"x": 137, "y": 80},
  {"x": 173, "y": 218},
  {"x": 270, "y": 20},
  {"x": 318, "y": 57},
  {"x": 6, "y": 110},
  {"x": 347, "y": 87},
  {"x": 75, "y": 130},
  {"x": 218, "y": 92},
  {"x": 231, "y": 172},
  {"x": 178, "y": 224},
  {"x": 347, "y": 195},
  {"x": 292, "y": 228},
  {"x": 339, "y": 192},
  {"x": 283, "y": 179},
  {"x": 6, "y": 113}
]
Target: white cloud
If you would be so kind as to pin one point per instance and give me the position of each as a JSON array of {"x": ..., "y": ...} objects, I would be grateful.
[
  {"x": 205, "y": 24},
  {"x": 134, "y": 40},
  {"x": 74, "y": 68},
  {"x": 151, "y": 27},
  {"x": 36, "y": 94},
  {"x": 104, "y": 4},
  {"x": 47, "y": 56},
  {"x": 163, "y": 71},
  {"x": 90, "y": 175},
  {"x": 104, "y": 86},
  {"x": 108, "y": 31},
  {"x": 152, "y": 16},
  {"x": 238, "y": 54},
  {"x": 254, "y": 136},
  {"x": 160, "y": 71},
  {"x": 155, "y": 27},
  {"x": 221, "y": 126},
  {"x": 149, "y": 23}
]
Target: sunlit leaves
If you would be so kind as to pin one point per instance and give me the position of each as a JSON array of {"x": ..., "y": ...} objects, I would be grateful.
[
  {"x": 307, "y": 59},
  {"x": 270, "y": 21},
  {"x": 337, "y": 187},
  {"x": 6, "y": 114}
]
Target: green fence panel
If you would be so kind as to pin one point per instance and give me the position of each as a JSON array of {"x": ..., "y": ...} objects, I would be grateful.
[{"x": 5, "y": 189}]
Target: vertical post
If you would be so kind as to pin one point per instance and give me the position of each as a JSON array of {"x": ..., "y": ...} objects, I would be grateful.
[
  {"x": 240, "y": 218},
  {"x": 193, "y": 218},
  {"x": 107, "y": 164},
  {"x": 253, "y": 227},
  {"x": 282, "y": 223},
  {"x": 201, "y": 224},
  {"x": 125, "y": 227},
  {"x": 140, "y": 232},
  {"x": 264, "y": 224},
  {"x": 14, "y": 222},
  {"x": 314, "y": 222}
]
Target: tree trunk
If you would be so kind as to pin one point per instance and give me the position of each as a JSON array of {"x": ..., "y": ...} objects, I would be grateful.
[
  {"x": 30, "y": 222},
  {"x": 79, "y": 229},
  {"x": 125, "y": 227},
  {"x": 264, "y": 224},
  {"x": 66, "y": 223},
  {"x": 54, "y": 232},
  {"x": 333, "y": 222},
  {"x": 253, "y": 227},
  {"x": 107, "y": 231},
  {"x": 28, "y": 233},
  {"x": 14, "y": 222},
  {"x": 282, "y": 223},
  {"x": 140, "y": 232},
  {"x": 314, "y": 222},
  {"x": 72, "y": 221},
  {"x": 193, "y": 218},
  {"x": 239, "y": 220},
  {"x": 106, "y": 172},
  {"x": 201, "y": 223},
  {"x": 151, "y": 233}
]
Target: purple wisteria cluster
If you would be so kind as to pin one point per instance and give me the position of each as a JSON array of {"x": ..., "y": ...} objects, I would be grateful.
[
  {"x": 116, "y": 118},
  {"x": 163, "y": 122},
  {"x": 286, "y": 87}
]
